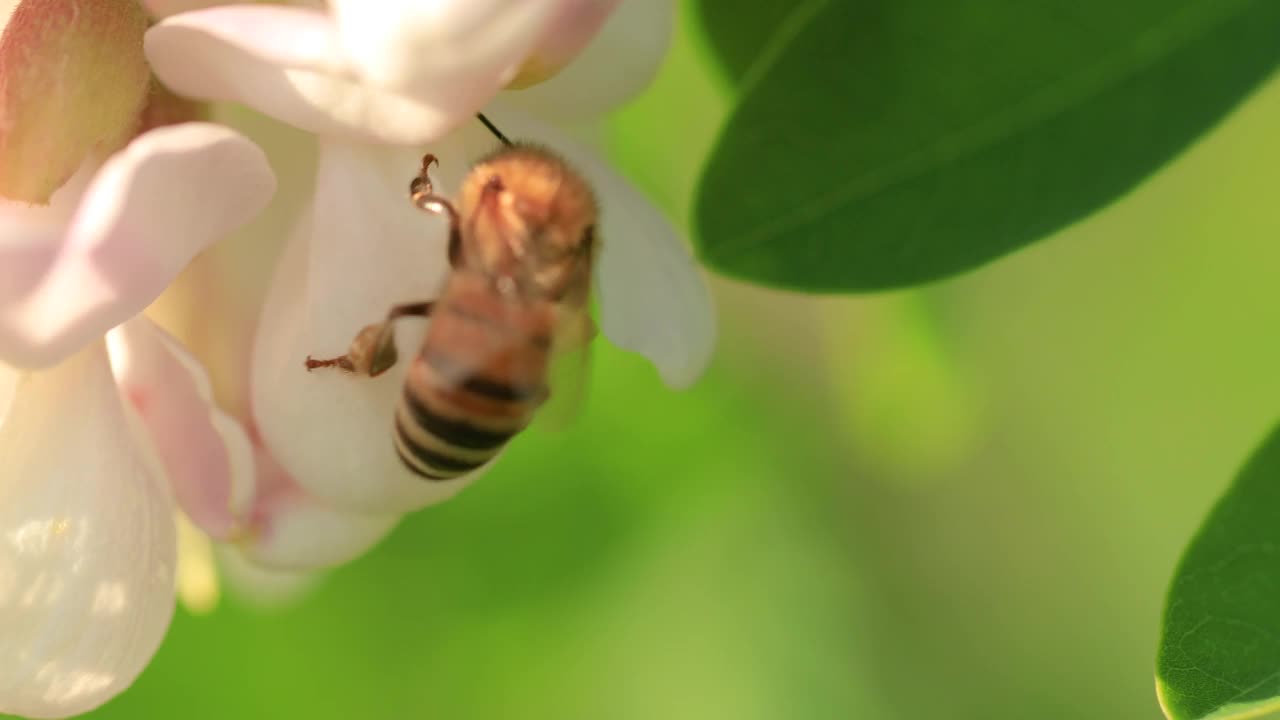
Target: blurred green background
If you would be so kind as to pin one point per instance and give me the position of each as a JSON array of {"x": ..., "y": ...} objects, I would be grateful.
[{"x": 958, "y": 502}]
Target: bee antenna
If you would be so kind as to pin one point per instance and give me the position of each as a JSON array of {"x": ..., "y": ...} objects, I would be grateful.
[{"x": 494, "y": 129}]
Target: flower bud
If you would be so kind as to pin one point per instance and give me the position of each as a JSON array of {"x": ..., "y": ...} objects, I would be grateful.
[{"x": 72, "y": 80}]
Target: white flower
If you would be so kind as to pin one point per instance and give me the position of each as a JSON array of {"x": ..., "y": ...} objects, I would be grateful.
[
  {"x": 98, "y": 443},
  {"x": 380, "y": 83}
]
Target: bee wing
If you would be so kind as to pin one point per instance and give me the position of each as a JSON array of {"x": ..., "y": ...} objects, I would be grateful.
[{"x": 569, "y": 371}]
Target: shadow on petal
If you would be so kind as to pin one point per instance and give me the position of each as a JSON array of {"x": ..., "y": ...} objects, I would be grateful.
[{"x": 292, "y": 530}]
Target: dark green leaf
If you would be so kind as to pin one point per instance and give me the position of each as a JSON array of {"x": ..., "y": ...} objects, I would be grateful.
[
  {"x": 1220, "y": 644},
  {"x": 883, "y": 143}
]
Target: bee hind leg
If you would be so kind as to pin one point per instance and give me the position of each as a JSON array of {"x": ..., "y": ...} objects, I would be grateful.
[{"x": 373, "y": 351}]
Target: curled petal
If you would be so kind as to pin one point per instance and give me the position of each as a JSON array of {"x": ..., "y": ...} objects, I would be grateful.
[
  {"x": 359, "y": 250},
  {"x": 87, "y": 543},
  {"x": 653, "y": 298},
  {"x": 293, "y": 530},
  {"x": 620, "y": 61},
  {"x": 451, "y": 54},
  {"x": 287, "y": 63},
  {"x": 206, "y": 454},
  {"x": 144, "y": 215}
]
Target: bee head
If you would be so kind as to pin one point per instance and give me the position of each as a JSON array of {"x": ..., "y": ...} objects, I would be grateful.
[{"x": 529, "y": 217}]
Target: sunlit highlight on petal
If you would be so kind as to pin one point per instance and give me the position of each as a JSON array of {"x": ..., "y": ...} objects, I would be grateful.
[
  {"x": 86, "y": 543},
  {"x": 285, "y": 62}
]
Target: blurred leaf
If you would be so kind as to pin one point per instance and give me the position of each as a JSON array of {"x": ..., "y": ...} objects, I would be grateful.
[
  {"x": 884, "y": 143},
  {"x": 1220, "y": 644},
  {"x": 909, "y": 408}
]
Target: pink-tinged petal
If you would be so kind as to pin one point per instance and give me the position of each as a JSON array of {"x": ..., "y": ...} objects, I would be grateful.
[
  {"x": 360, "y": 249},
  {"x": 87, "y": 543},
  {"x": 653, "y": 298},
  {"x": 206, "y": 454},
  {"x": 30, "y": 241},
  {"x": 620, "y": 61},
  {"x": 293, "y": 530},
  {"x": 571, "y": 31},
  {"x": 154, "y": 205},
  {"x": 286, "y": 63},
  {"x": 452, "y": 54},
  {"x": 72, "y": 79}
]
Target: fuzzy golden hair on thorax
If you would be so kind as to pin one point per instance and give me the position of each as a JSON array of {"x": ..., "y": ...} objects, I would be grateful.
[
  {"x": 535, "y": 189},
  {"x": 528, "y": 220}
]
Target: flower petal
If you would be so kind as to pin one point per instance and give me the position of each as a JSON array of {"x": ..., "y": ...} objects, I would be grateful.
[
  {"x": 572, "y": 29},
  {"x": 87, "y": 543},
  {"x": 298, "y": 532},
  {"x": 206, "y": 454},
  {"x": 293, "y": 530},
  {"x": 287, "y": 63},
  {"x": 259, "y": 586},
  {"x": 452, "y": 54},
  {"x": 145, "y": 214},
  {"x": 653, "y": 298},
  {"x": 359, "y": 250},
  {"x": 620, "y": 61}
]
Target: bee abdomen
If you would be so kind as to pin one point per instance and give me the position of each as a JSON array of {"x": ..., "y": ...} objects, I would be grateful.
[{"x": 439, "y": 446}]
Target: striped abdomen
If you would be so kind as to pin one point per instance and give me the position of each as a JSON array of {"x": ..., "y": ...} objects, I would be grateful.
[{"x": 477, "y": 381}]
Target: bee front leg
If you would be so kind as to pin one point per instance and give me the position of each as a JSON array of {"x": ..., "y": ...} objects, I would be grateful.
[
  {"x": 373, "y": 351},
  {"x": 423, "y": 196}
]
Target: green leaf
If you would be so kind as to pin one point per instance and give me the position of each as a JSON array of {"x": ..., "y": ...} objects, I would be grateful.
[
  {"x": 1220, "y": 644},
  {"x": 884, "y": 143}
]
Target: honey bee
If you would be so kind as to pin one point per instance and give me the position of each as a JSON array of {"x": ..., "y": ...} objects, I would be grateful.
[{"x": 522, "y": 243}]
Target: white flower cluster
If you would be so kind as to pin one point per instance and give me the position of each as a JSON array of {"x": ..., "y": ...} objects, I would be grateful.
[{"x": 107, "y": 426}]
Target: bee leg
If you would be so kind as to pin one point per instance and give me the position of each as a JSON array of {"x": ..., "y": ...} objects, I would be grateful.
[
  {"x": 422, "y": 195},
  {"x": 373, "y": 351}
]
